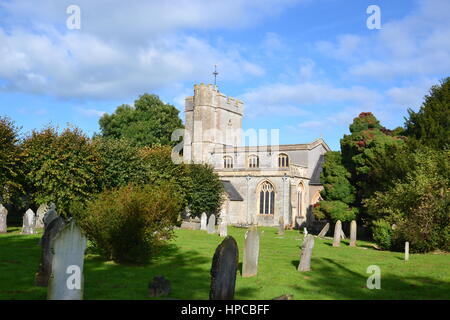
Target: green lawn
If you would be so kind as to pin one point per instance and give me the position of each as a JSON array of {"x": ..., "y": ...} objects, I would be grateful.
[{"x": 338, "y": 273}]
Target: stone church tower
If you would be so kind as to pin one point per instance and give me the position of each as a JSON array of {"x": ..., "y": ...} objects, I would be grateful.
[{"x": 212, "y": 120}]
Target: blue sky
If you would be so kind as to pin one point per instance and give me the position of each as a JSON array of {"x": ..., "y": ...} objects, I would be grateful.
[{"x": 304, "y": 67}]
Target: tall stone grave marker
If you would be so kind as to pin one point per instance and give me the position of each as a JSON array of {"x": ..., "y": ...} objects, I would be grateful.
[
  {"x": 353, "y": 233},
  {"x": 324, "y": 230},
  {"x": 281, "y": 226},
  {"x": 66, "y": 281},
  {"x": 43, "y": 208},
  {"x": 406, "y": 251},
  {"x": 203, "y": 221},
  {"x": 305, "y": 258},
  {"x": 251, "y": 253},
  {"x": 51, "y": 230},
  {"x": 223, "y": 228},
  {"x": 3, "y": 216},
  {"x": 212, "y": 224},
  {"x": 337, "y": 234},
  {"x": 223, "y": 270},
  {"x": 29, "y": 222}
]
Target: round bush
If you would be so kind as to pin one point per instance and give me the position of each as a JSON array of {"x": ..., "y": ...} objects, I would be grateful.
[{"x": 130, "y": 224}]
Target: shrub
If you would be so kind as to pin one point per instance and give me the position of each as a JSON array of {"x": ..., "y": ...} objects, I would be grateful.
[
  {"x": 334, "y": 211},
  {"x": 207, "y": 194},
  {"x": 130, "y": 224},
  {"x": 382, "y": 234},
  {"x": 419, "y": 204}
]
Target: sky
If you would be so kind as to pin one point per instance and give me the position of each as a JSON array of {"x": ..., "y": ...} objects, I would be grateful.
[{"x": 305, "y": 67}]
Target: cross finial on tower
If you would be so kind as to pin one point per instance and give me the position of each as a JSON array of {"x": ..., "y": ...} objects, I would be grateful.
[{"x": 215, "y": 73}]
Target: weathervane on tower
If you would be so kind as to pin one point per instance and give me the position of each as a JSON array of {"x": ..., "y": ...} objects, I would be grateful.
[{"x": 215, "y": 73}]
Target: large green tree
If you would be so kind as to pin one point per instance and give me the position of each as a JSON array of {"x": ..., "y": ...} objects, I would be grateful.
[
  {"x": 431, "y": 124},
  {"x": 9, "y": 159},
  {"x": 62, "y": 168},
  {"x": 149, "y": 122}
]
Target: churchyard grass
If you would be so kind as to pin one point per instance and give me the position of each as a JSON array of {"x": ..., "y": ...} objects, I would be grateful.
[{"x": 337, "y": 272}]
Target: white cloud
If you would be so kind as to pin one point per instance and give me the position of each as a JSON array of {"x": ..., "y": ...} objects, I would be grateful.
[{"x": 91, "y": 112}]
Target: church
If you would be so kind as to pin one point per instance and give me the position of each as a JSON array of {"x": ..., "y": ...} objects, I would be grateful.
[{"x": 263, "y": 182}]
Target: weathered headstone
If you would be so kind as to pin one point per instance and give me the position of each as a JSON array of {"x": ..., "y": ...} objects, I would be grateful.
[
  {"x": 43, "y": 208},
  {"x": 212, "y": 224},
  {"x": 324, "y": 231},
  {"x": 406, "y": 251},
  {"x": 223, "y": 228},
  {"x": 281, "y": 226},
  {"x": 223, "y": 270},
  {"x": 29, "y": 222},
  {"x": 251, "y": 253},
  {"x": 337, "y": 234},
  {"x": 353, "y": 234},
  {"x": 305, "y": 258},
  {"x": 203, "y": 221},
  {"x": 159, "y": 286},
  {"x": 66, "y": 281},
  {"x": 49, "y": 216},
  {"x": 45, "y": 268},
  {"x": 305, "y": 231},
  {"x": 3, "y": 216}
]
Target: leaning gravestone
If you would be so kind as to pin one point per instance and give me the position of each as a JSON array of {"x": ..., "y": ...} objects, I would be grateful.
[
  {"x": 212, "y": 224},
  {"x": 3, "y": 216},
  {"x": 203, "y": 221},
  {"x": 337, "y": 234},
  {"x": 281, "y": 226},
  {"x": 305, "y": 258},
  {"x": 353, "y": 234},
  {"x": 29, "y": 223},
  {"x": 43, "y": 208},
  {"x": 251, "y": 253},
  {"x": 66, "y": 281},
  {"x": 223, "y": 228},
  {"x": 223, "y": 270},
  {"x": 324, "y": 231},
  {"x": 45, "y": 268}
]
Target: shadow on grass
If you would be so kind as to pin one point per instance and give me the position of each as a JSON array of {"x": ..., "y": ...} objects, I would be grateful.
[{"x": 330, "y": 276}]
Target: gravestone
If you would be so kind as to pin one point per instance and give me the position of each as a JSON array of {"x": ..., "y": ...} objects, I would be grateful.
[
  {"x": 49, "y": 216},
  {"x": 66, "y": 281},
  {"x": 3, "y": 216},
  {"x": 51, "y": 230},
  {"x": 406, "y": 251},
  {"x": 251, "y": 253},
  {"x": 281, "y": 226},
  {"x": 29, "y": 223},
  {"x": 305, "y": 258},
  {"x": 223, "y": 228},
  {"x": 211, "y": 228},
  {"x": 223, "y": 270},
  {"x": 324, "y": 231},
  {"x": 305, "y": 231},
  {"x": 43, "y": 208},
  {"x": 337, "y": 234},
  {"x": 159, "y": 286},
  {"x": 203, "y": 221},
  {"x": 353, "y": 233}
]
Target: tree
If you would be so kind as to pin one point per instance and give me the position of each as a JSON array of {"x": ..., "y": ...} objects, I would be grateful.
[
  {"x": 207, "y": 194},
  {"x": 148, "y": 123},
  {"x": 9, "y": 159},
  {"x": 60, "y": 168},
  {"x": 431, "y": 124},
  {"x": 415, "y": 208},
  {"x": 338, "y": 194},
  {"x": 367, "y": 140},
  {"x": 120, "y": 163}
]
